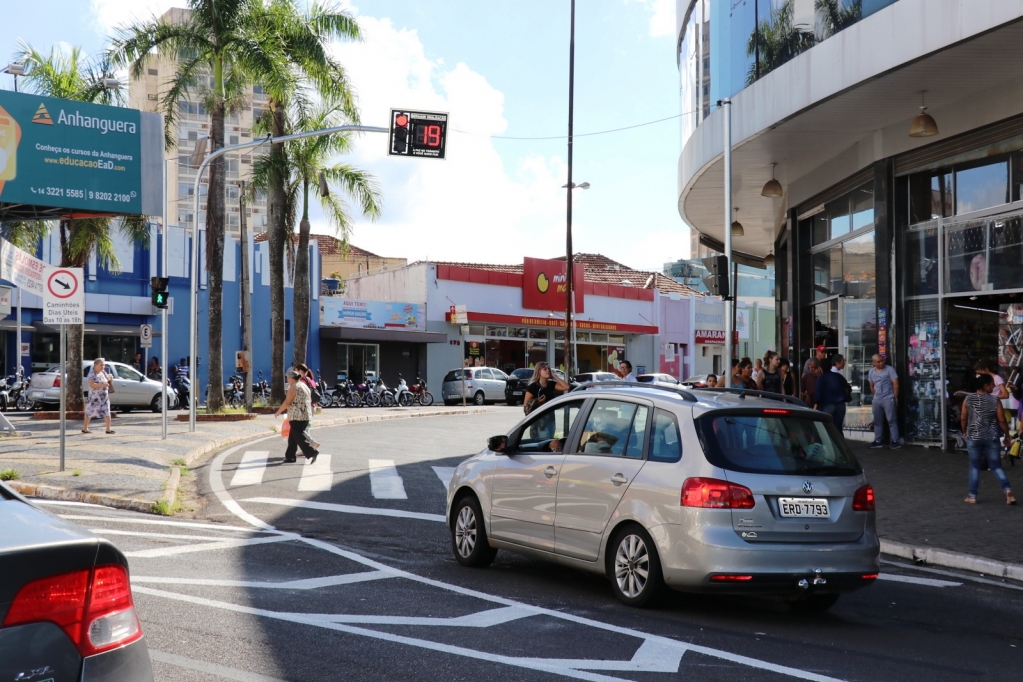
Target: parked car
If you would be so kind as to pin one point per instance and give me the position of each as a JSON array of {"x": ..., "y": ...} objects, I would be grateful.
[
  {"x": 665, "y": 379},
  {"x": 768, "y": 498},
  {"x": 515, "y": 388},
  {"x": 131, "y": 388},
  {"x": 482, "y": 385},
  {"x": 697, "y": 381},
  {"x": 596, "y": 376},
  {"x": 66, "y": 608}
]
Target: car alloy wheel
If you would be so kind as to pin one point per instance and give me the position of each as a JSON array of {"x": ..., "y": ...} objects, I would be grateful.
[
  {"x": 479, "y": 398},
  {"x": 465, "y": 532},
  {"x": 632, "y": 566}
]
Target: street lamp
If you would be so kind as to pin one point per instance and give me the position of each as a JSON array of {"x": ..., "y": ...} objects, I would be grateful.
[
  {"x": 111, "y": 83},
  {"x": 15, "y": 69}
]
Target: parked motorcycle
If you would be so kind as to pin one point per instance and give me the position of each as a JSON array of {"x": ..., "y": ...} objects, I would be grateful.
[
  {"x": 362, "y": 394},
  {"x": 234, "y": 391},
  {"x": 422, "y": 396},
  {"x": 17, "y": 393},
  {"x": 403, "y": 396},
  {"x": 386, "y": 394}
]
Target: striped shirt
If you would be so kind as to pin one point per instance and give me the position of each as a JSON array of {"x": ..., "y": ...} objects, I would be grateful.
[{"x": 982, "y": 422}]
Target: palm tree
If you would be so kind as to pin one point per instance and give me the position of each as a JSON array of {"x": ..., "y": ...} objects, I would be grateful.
[
  {"x": 72, "y": 75},
  {"x": 832, "y": 17},
  {"x": 232, "y": 44},
  {"x": 303, "y": 37},
  {"x": 776, "y": 41},
  {"x": 308, "y": 167}
]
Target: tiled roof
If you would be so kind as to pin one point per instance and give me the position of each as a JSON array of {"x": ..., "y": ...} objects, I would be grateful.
[{"x": 329, "y": 246}]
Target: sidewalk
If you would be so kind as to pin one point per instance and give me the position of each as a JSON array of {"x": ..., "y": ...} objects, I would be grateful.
[
  {"x": 920, "y": 495},
  {"x": 134, "y": 468}
]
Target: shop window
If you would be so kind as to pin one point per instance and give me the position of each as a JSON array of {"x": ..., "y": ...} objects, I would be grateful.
[
  {"x": 616, "y": 339},
  {"x": 476, "y": 330},
  {"x": 518, "y": 332},
  {"x": 930, "y": 196},
  {"x": 827, "y": 272},
  {"x": 538, "y": 334},
  {"x": 497, "y": 331},
  {"x": 858, "y": 267},
  {"x": 921, "y": 258},
  {"x": 981, "y": 187},
  {"x": 984, "y": 255},
  {"x": 839, "y": 217},
  {"x": 598, "y": 338}
]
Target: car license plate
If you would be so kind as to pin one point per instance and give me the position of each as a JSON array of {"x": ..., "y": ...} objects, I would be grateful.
[
  {"x": 516, "y": 392},
  {"x": 804, "y": 507}
]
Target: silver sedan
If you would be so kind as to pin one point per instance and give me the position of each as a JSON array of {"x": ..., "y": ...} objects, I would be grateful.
[{"x": 701, "y": 491}]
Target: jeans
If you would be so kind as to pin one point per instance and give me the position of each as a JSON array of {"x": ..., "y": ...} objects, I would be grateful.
[
  {"x": 296, "y": 440},
  {"x": 992, "y": 449},
  {"x": 837, "y": 412},
  {"x": 885, "y": 409}
]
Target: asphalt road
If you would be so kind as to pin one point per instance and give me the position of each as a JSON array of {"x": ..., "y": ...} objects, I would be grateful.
[{"x": 285, "y": 576}]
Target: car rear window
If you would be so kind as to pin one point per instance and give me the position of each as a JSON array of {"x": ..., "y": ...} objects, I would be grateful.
[
  {"x": 775, "y": 444},
  {"x": 456, "y": 374},
  {"x": 523, "y": 374}
]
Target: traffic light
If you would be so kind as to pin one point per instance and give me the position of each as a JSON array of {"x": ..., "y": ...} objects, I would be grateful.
[
  {"x": 399, "y": 134},
  {"x": 717, "y": 280},
  {"x": 161, "y": 296}
]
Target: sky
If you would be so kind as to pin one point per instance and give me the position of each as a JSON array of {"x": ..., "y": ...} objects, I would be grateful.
[{"x": 497, "y": 69}]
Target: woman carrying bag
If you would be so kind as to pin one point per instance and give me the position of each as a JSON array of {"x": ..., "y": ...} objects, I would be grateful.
[
  {"x": 545, "y": 385},
  {"x": 299, "y": 406}
]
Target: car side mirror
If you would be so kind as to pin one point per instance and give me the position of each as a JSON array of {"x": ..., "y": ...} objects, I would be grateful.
[{"x": 497, "y": 443}]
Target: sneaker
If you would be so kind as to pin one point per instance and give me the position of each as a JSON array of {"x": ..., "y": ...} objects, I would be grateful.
[
  {"x": 1009, "y": 497},
  {"x": 970, "y": 499},
  {"x": 895, "y": 446},
  {"x": 875, "y": 445}
]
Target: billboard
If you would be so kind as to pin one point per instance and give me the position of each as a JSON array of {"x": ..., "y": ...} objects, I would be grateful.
[
  {"x": 67, "y": 154},
  {"x": 348, "y": 312},
  {"x": 544, "y": 284}
]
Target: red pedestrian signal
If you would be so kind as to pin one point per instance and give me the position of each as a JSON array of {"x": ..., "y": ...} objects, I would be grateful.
[{"x": 418, "y": 133}]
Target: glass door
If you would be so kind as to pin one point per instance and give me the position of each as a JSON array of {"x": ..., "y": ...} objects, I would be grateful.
[{"x": 858, "y": 343}]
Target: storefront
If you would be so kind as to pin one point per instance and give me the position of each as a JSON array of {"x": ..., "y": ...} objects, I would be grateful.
[{"x": 917, "y": 259}]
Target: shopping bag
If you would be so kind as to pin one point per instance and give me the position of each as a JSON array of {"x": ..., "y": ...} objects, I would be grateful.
[{"x": 286, "y": 428}]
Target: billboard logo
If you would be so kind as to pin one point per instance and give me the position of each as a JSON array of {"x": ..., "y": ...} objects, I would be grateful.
[
  {"x": 42, "y": 116},
  {"x": 542, "y": 283}
]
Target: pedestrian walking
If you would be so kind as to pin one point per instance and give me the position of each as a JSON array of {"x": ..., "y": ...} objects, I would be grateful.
[
  {"x": 831, "y": 392},
  {"x": 98, "y": 405},
  {"x": 769, "y": 379},
  {"x": 808, "y": 382},
  {"x": 983, "y": 422},
  {"x": 299, "y": 406},
  {"x": 743, "y": 376},
  {"x": 821, "y": 353},
  {"x": 314, "y": 396},
  {"x": 884, "y": 384}
]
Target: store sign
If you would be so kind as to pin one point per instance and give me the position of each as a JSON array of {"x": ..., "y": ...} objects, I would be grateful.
[
  {"x": 559, "y": 323},
  {"x": 73, "y": 155},
  {"x": 22, "y": 269},
  {"x": 63, "y": 296},
  {"x": 545, "y": 284},
  {"x": 711, "y": 336},
  {"x": 475, "y": 353},
  {"x": 458, "y": 315},
  {"x": 348, "y": 312},
  {"x": 742, "y": 322},
  {"x": 5, "y": 301},
  {"x": 882, "y": 332}
]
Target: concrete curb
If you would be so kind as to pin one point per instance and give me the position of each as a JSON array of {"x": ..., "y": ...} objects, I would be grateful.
[
  {"x": 171, "y": 491},
  {"x": 947, "y": 559},
  {"x": 51, "y": 492}
]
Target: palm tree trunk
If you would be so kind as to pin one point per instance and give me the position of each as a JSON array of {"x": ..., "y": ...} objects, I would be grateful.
[
  {"x": 215, "y": 263},
  {"x": 75, "y": 332},
  {"x": 301, "y": 294},
  {"x": 277, "y": 228}
]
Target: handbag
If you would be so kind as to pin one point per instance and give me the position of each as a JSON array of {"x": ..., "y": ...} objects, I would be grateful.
[
  {"x": 529, "y": 406},
  {"x": 286, "y": 428},
  {"x": 848, "y": 389}
]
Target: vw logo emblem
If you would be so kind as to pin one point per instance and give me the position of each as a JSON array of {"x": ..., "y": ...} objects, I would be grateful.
[{"x": 807, "y": 487}]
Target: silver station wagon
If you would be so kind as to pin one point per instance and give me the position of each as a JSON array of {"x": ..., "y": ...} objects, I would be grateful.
[{"x": 715, "y": 491}]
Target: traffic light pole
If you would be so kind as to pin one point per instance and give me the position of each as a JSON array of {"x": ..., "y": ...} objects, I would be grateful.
[
  {"x": 193, "y": 318},
  {"x": 726, "y": 105}
]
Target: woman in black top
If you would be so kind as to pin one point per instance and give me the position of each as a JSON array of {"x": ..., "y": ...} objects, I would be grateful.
[
  {"x": 787, "y": 382},
  {"x": 545, "y": 385},
  {"x": 770, "y": 379}
]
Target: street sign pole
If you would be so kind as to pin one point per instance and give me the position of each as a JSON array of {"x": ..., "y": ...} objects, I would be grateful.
[
  {"x": 63, "y": 390},
  {"x": 163, "y": 312}
]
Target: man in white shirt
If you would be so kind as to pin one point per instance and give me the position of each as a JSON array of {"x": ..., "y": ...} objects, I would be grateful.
[{"x": 624, "y": 371}]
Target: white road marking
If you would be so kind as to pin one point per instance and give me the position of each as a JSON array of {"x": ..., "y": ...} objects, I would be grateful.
[
  {"x": 912, "y": 579},
  {"x": 303, "y": 584},
  {"x": 938, "y": 571},
  {"x": 444, "y": 474},
  {"x": 178, "y": 524},
  {"x": 481, "y": 619},
  {"x": 170, "y": 536},
  {"x": 250, "y": 470},
  {"x": 205, "y": 547},
  {"x": 317, "y": 476},
  {"x": 209, "y": 668},
  {"x": 385, "y": 481},
  {"x": 62, "y": 503},
  {"x": 345, "y": 508}
]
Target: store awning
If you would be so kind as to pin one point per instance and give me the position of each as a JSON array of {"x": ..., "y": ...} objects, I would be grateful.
[
  {"x": 400, "y": 335},
  {"x": 96, "y": 328},
  {"x": 558, "y": 322}
]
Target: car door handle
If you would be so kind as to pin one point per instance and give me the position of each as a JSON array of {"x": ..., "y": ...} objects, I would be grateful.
[
  {"x": 619, "y": 479},
  {"x": 550, "y": 472}
]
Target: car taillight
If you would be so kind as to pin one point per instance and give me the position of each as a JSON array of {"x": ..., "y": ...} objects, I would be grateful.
[
  {"x": 869, "y": 576},
  {"x": 863, "y": 499},
  {"x": 56, "y": 382},
  {"x": 94, "y": 608},
  {"x": 729, "y": 578},
  {"x": 716, "y": 494}
]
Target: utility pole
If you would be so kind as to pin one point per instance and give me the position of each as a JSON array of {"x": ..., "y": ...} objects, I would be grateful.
[
  {"x": 726, "y": 105},
  {"x": 569, "y": 280},
  {"x": 246, "y": 297}
]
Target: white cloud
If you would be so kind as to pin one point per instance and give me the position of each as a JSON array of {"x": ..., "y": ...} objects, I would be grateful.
[
  {"x": 662, "y": 16},
  {"x": 468, "y": 206}
]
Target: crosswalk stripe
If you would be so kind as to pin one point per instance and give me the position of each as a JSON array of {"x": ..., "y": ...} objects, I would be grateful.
[
  {"x": 444, "y": 474},
  {"x": 385, "y": 481},
  {"x": 250, "y": 469},
  {"x": 317, "y": 476}
]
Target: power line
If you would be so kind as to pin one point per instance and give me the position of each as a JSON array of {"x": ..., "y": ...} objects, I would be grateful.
[{"x": 565, "y": 137}]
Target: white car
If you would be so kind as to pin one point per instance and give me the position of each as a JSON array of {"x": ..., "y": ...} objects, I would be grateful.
[
  {"x": 131, "y": 388},
  {"x": 665, "y": 379}
]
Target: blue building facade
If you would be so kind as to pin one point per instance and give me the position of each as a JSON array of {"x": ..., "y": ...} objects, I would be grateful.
[{"x": 117, "y": 302}]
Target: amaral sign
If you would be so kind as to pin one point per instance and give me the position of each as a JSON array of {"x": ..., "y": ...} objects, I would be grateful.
[{"x": 72, "y": 155}]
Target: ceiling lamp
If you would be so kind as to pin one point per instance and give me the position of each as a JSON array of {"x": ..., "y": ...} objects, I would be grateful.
[
  {"x": 923, "y": 125},
  {"x": 772, "y": 190},
  {"x": 737, "y": 230},
  {"x": 769, "y": 259}
]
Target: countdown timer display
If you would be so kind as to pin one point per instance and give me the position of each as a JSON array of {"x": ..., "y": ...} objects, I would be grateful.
[{"x": 418, "y": 133}]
